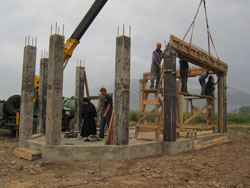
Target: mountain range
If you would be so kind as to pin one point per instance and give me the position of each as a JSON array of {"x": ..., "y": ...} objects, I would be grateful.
[{"x": 236, "y": 98}]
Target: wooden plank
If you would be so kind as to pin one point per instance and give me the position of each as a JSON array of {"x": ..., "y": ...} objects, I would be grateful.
[
  {"x": 192, "y": 72},
  {"x": 199, "y": 127},
  {"x": 86, "y": 84},
  {"x": 27, "y": 154},
  {"x": 150, "y": 102},
  {"x": 195, "y": 95},
  {"x": 197, "y": 56},
  {"x": 198, "y": 133},
  {"x": 110, "y": 136},
  {"x": 210, "y": 143}
]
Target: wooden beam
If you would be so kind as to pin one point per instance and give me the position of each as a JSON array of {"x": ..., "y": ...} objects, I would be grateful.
[
  {"x": 192, "y": 72},
  {"x": 199, "y": 127},
  {"x": 195, "y": 95},
  {"x": 197, "y": 56}
]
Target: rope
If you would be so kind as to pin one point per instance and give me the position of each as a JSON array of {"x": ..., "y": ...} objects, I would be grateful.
[
  {"x": 193, "y": 22},
  {"x": 208, "y": 32},
  {"x": 207, "y": 25}
]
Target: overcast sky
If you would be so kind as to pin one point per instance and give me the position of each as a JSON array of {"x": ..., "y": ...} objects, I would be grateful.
[{"x": 151, "y": 21}]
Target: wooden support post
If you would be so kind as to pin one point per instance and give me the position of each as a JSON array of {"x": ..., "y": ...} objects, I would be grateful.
[
  {"x": 180, "y": 105},
  {"x": 225, "y": 104},
  {"x": 220, "y": 102},
  {"x": 178, "y": 120},
  {"x": 86, "y": 84},
  {"x": 169, "y": 95}
]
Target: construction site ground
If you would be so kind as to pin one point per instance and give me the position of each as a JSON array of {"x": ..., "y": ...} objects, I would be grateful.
[{"x": 226, "y": 165}]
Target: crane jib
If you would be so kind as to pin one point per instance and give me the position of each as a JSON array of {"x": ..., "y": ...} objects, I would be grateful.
[{"x": 88, "y": 19}]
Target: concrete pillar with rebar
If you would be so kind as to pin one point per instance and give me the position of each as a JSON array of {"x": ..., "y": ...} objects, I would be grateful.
[
  {"x": 27, "y": 93},
  {"x": 42, "y": 96},
  {"x": 54, "y": 90},
  {"x": 79, "y": 94},
  {"x": 122, "y": 90}
]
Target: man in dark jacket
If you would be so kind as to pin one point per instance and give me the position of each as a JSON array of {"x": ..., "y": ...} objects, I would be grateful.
[
  {"x": 202, "y": 80},
  {"x": 210, "y": 86},
  {"x": 108, "y": 106},
  {"x": 184, "y": 75}
]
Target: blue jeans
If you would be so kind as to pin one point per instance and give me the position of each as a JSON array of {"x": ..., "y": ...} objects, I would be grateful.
[{"x": 104, "y": 121}]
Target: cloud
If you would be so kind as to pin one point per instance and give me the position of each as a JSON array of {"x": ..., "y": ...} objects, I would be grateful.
[{"x": 151, "y": 21}]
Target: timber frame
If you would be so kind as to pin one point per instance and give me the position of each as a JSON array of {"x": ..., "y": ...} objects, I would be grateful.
[{"x": 168, "y": 100}]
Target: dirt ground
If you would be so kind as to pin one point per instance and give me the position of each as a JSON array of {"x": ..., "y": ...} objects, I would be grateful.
[{"x": 226, "y": 165}]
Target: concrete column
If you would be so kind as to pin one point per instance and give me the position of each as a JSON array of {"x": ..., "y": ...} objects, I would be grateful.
[
  {"x": 169, "y": 96},
  {"x": 122, "y": 90},
  {"x": 27, "y": 93},
  {"x": 100, "y": 109},
  {"x": 42, "y": 97},
  {"x": 54, "y": 90},
  {"x": 79, "y": 94}
]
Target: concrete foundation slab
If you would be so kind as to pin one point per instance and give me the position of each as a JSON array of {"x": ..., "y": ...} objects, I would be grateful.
[{"x": 74, "y": 149}]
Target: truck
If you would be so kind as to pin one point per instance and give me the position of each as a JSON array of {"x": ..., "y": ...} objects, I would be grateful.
[{"x": 10, "y": 109}]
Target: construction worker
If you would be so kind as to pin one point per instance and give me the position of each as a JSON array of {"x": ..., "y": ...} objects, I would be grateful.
[
  {"x": 202, "y": 80},
  {"x": 108, "y": 106},
  {"x": 156, "y": 66},
  {"x": 209, "y": 90},
  {"x": 184, "y": 75}
]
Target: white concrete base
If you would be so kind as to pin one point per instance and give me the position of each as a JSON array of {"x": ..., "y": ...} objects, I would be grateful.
[{"x": 101, "y": 152}]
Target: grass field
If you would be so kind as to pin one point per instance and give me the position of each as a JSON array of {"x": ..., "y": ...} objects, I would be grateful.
[{"x": 232, "y": 119}]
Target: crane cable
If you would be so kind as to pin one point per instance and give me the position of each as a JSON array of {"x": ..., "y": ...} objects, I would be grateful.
[{"x": 207, "y": 25}]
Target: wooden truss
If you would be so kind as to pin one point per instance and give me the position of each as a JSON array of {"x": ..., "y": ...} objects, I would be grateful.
[
  {"x": 197, "y": 56},
  {"x": 181, "y": 49}
]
